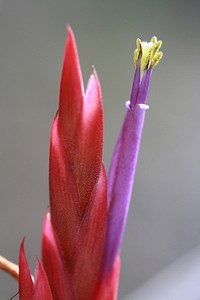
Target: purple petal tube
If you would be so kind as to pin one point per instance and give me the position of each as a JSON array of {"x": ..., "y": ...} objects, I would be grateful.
[{"x": 123, "y": 166}]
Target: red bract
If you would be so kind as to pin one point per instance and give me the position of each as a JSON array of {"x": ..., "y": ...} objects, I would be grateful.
[
  {"x": 29, "y": 290},
  {"x": 54, "y": 265},
  {"x": 78, "y": 194},
  {"x": 108, "y": 286},
  {"x": 74, "y": 230}
]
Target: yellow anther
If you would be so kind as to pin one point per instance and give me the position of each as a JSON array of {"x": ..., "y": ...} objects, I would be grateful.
[
  {"x": 157, "y": 58},
  {"x": 139, "y": 44},
  {"x": 154, "y": 39},
  {"x": 148, "y": 53}
]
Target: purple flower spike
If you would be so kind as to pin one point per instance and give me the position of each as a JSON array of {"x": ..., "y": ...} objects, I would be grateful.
[{"x": 124, "y": 160}]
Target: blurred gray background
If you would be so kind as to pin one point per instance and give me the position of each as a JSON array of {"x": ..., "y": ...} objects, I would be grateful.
[{"x": 164, "y": 218}]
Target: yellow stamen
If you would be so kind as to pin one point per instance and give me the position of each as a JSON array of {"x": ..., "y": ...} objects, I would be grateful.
[{"x": 148, "y": 53}]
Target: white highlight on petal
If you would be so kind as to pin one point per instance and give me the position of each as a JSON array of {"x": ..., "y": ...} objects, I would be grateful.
[
  {"x": 128, "y": 103},
  {"x": 143, "y": 106}
]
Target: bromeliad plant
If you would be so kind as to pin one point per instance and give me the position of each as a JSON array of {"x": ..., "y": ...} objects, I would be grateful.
[{"x": 83, "y": 230}]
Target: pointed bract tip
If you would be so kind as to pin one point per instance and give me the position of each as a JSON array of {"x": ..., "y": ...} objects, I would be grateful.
[
  {"x": 71, "y": 37},
  {"x": 94, "y": 70},
  {"x": 94, "y": 75},
  {"x": 69, "y": 30},
  {"x": 94, "y": 80},
  {"x": 22, "y": 244},
  {"x": 25, "y": 278},
  {"x": 42, "y": 289}
]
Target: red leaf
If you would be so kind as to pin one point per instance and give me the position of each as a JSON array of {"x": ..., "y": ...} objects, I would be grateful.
[
  {"x": 63, "y": 195},
  {"x": 108, "y": 287},
  {"x": 54, "y": 264},
  {"x": 80, "y": 122},
  {"x": 90, "y": 241},
  {"x": 41, "y": 289},
  {"x": 25, "y": 280},
  {"x": 75, "y": 150},
  {"x": 29, "y": 290},
  {"x": 89, "y": 148},
  {"x": 71, "y": 96}
]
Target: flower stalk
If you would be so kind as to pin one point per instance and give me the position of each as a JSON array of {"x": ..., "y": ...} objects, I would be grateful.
[{"x": 9, "y": 267}]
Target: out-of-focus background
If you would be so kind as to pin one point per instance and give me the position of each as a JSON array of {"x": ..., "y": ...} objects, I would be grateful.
[{"x": 164, "y": 218}]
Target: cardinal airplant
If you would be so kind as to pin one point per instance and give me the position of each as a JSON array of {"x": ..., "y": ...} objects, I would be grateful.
[{"x": 84, "y": 225}]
